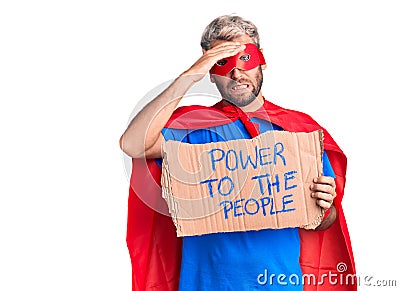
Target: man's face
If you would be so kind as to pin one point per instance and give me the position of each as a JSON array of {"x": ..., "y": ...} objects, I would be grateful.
[{"x": 240, "y": 87}]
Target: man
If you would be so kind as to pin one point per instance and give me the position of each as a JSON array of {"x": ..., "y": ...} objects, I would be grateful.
[{"x": 229, "y": 261}]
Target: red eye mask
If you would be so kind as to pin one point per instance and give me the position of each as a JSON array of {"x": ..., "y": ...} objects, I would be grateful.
[{"x": 248, "y": 59}]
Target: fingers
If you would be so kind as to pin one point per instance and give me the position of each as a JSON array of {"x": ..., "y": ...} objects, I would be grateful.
[
  {"x": 227, "y": 45},
  {"x": 323, "y": 199},
  {"x": 224, "y": 50},
  {"x": 324, "y": 204},
  {"x": 210, "y": 57},
  {"x": 323, "y": 189},
  {"x": 325, "y": 180}
]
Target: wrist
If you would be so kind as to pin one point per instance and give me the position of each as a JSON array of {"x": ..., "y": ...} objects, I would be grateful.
[
  {"x": 328, "y": 219},
  {"x": 192, "y": 76},
  {"x": 327, "y": 213}
]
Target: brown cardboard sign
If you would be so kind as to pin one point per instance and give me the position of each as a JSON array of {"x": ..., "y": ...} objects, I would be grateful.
[{"x": 245, "y": 184}]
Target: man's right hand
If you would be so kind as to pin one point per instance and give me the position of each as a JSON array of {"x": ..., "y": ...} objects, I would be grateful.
[
  {"x": 210, "y": 57},
  {"x": 143, "y": 137}
]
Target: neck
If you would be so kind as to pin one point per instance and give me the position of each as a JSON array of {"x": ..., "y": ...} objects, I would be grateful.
[{"x": 254, "y": 105}]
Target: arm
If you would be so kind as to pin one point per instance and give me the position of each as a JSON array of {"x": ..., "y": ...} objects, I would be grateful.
[
  {"x": 329, "y": 220},
  {"x": 143, "y": 136}
]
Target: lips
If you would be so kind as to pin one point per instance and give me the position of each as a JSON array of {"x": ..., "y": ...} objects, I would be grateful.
[{"x": 240, "y": 87}]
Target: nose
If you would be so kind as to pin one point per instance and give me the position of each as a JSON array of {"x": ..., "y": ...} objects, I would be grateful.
[{"x": 236, "y": 74}]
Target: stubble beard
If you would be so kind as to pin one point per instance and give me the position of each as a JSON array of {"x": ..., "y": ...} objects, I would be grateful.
[{"x": 240, "y": 99}]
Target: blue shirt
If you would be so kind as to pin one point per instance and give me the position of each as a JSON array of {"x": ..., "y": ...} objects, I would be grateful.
[{"x": 248, "y": 260}]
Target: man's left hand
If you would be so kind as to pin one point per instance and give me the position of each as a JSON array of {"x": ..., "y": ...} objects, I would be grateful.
[{"x": 323, "y": 189}]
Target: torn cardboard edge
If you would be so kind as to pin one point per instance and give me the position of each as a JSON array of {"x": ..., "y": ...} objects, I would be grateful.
[{"x": 270, "y": 174}]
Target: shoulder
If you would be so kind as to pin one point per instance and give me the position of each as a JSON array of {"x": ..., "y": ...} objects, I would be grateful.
[
  {"x": 192, "y": 109},
  {"x": 296, "y": 121},
  {"x": 196, "y": 116},
  {"x": 290, "y": 116}
]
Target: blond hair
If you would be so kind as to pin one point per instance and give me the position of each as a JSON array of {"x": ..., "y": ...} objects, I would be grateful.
[{"x": 228, "y": 27}]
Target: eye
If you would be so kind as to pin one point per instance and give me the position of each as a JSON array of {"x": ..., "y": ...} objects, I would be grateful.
[
  {"x": 221, "y": 62},
  {"x": 245, "y": 57}
]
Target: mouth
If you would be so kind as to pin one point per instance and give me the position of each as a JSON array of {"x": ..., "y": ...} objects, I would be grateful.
[{"x": 240, "y": 87}]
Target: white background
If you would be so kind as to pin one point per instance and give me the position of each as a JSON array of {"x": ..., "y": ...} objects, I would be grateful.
[{"x": 71, "y": 73}]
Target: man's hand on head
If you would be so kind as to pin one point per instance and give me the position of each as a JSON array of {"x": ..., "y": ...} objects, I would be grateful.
[{"x": 220, "y": 51}]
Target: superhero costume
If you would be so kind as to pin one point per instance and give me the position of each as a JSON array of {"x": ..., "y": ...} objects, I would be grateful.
[{"x": 156, "y": 251}]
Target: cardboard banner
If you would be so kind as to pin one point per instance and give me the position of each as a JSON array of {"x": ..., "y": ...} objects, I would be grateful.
[{"x": 245, "y": 184}]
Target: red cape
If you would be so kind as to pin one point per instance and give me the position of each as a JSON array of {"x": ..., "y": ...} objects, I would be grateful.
[{"x": 151, "y": 236}]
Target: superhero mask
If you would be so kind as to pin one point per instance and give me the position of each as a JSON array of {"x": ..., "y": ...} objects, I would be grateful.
[{"x": 247, "y": 59}]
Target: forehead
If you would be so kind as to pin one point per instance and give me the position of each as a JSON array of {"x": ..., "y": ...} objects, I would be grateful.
[{"x": 243, "y": 39}]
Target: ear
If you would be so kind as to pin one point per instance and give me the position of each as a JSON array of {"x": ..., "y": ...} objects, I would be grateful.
[
  {"x": 263, "y": 67},
  {"x": 212, "y": 79},
  {"x": 203, "y": 50}
]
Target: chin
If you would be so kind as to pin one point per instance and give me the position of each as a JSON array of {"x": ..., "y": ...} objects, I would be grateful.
[{"x": 240, "y": 101}]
